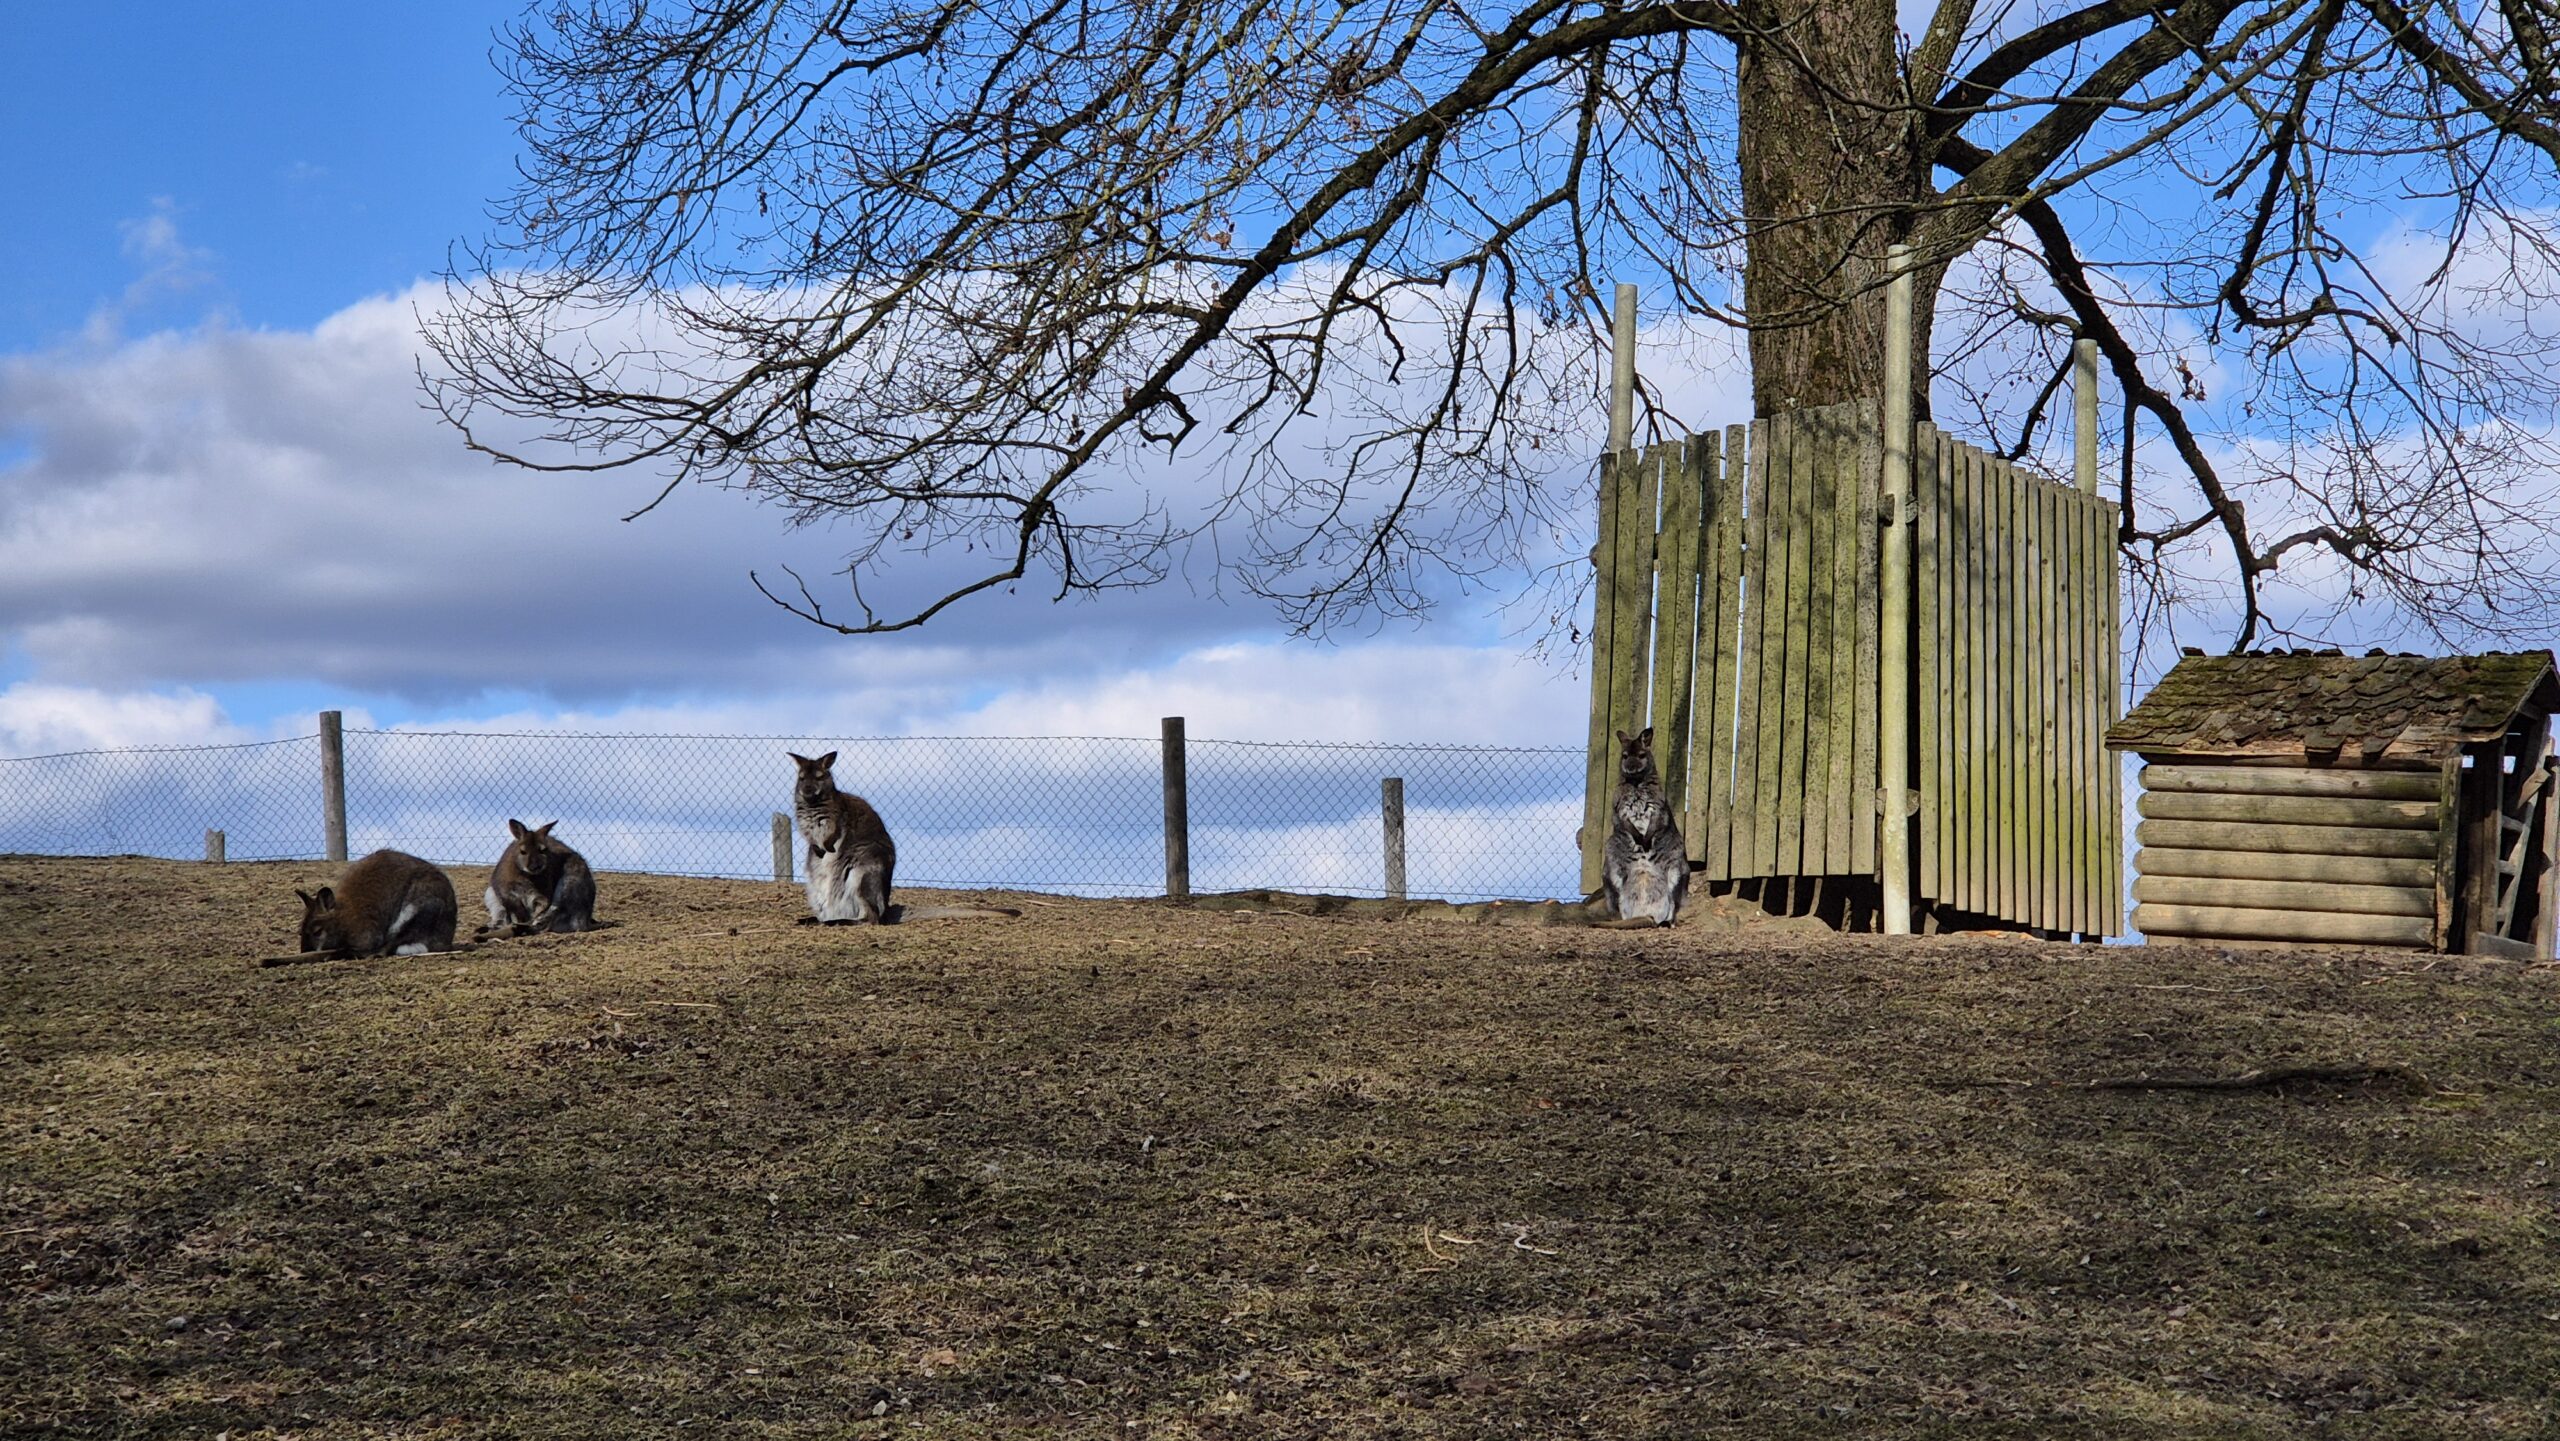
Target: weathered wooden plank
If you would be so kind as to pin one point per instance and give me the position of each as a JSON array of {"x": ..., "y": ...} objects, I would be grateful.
[
  {"x": 2015, "y": 716},
  {"x": 2098, "y": 579},
  {"x": 1601, "y": 767},
  {"x": 2289, "y": 866},
  {"x": 2419, "y": 901},
  {"x": 1928, "y": 655},
  {"x": 2289, "y": 810},
  {"x": 1797, "y": 627},
  {"x": 1973, "y": 882},
  {"x": 1729, "y": 653},
  {"x": 1632, "y": 647},
  {"x": 1839, "y": 848},
  {"x": 1756, "y": 732},
  {"x": 2478, "y": 899},
  {"x": 2042, "y": 626},
  {"x": 1814, "y": 663},
  {"x": 2293, "y": 781},
  {"x": 1865, "y": 762},
  {"x": 2071, "y": 773},
  {"x": 2316, "y": 840},
  {"x": 1705, "y": 456},
  {"x": 1675, "y": 629},
  {"x": 2546, "y": 925},
  {"x": 2088, "y": 572},
  {"x": 2113, "y": 672},
  {"x": 2333, "y": 928}
]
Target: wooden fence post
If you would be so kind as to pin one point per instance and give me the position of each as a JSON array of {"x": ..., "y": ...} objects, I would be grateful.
[
  {"x": 782, "y": 848},
  {"x": 1391, "y": 815},
  {"x": 2084, "y": 416},
  {"x": 215, "y": 846},
  {"x": 1893, "y": 641},
  {"x": 333, "y": 786},
  {"x": 1177, "y": 813},
  {"x": 1622, "y": 370}
]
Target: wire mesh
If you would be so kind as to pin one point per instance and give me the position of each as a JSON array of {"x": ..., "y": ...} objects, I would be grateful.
[
  {"x": 1079, "y": 815},
  {"x": 160, "y": 800}
]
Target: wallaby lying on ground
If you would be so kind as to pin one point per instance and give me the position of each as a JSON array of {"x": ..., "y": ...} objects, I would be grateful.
[
  {"x": 850, "y": 854},
  {"x": 540, "y": 885},
  {"x": 388, "y": 904},
  {"x": 1644, "y": 864}
]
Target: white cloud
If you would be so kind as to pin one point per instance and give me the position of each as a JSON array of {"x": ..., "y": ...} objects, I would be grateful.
[{"x": 40, "y": 719}]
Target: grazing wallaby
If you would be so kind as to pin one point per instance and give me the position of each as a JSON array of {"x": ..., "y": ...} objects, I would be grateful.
[
  {"x": 1644, "y": 864},
  {"x": 851, "y": 856},
  {"x": 388, "y": 904},
  {"x": 540, "y": 885},
  {"x": 850, "y": 853}
]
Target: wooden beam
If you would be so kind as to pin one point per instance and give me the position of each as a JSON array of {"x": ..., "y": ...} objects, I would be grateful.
[
  {"x": 2418, "y": 901},
  {"x": 2331, "y": 928},
  {"x": 2310, "y": 840},
  {"x": 2293, "y": 781},
  {"x": 2289, "y": 810},
  {"x": 2289, "y": 866}
]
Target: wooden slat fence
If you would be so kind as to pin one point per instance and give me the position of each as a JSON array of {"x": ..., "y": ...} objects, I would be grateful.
[{"x": 1736, "y": 612}]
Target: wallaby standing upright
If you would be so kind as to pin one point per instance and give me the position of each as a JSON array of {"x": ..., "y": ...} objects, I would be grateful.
[
  {"x": 1644, "y": 864},
  {"x": 388, "y": 904},
  {"x": 540, "y": 885},
  {"x": 850, "y": 853}
]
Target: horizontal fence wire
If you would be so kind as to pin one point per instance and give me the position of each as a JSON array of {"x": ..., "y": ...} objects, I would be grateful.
[{"x": 1077, "y": 815}]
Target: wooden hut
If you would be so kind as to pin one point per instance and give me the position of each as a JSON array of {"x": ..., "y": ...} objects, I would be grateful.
[{"x": 2325, "y": 799}]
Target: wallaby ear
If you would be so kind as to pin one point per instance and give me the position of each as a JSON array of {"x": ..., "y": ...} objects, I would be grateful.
[
  {"x": 1647, "y": 737},
  {"x": 825, "y": 762},
  {"x": 796, "y": 756},
  {"x": 327, "y": 900},
  {"x": 544, "y": 830},
  {"x": 306, "y": 897},
  {"x": 1624, "y": 738},
  {"x": 515, "y": 828}
]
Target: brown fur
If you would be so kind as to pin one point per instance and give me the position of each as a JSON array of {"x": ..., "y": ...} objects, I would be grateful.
[
  {"x": 539, "y": 884},
  {"x": 383, "y": 903},
  {"x": 850, "y": 858}
]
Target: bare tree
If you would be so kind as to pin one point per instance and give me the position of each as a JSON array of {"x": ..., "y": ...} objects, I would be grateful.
[{"x": 1332, "y": 270}]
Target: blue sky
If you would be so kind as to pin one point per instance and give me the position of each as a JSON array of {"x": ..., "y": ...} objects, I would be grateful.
[{"x": 207, "y": 415}]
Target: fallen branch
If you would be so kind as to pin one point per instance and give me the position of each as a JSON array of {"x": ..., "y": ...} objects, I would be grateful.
[{"x": 2268, "y": 1077}]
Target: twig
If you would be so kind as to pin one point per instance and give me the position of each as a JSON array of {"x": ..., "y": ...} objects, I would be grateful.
[
  {"x": 688, "y": 1005},
  {"x": 2216, "y": 990},
  {"x": 2265, "y": 1077},
  {"x": 1520, "y": 1240}
]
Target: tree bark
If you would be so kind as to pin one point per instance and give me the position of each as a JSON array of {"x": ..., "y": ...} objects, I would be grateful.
[{"x": 1831, "y": 167}]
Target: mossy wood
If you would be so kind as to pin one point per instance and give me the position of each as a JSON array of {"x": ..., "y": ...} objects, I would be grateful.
[{"x": 1736, "y": 611}]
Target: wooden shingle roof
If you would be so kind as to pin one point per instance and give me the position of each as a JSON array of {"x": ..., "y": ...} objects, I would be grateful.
[{"x": 2369, "y": 708}]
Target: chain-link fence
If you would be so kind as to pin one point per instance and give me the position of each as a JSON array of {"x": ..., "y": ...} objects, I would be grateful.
[{"x": 1076, "y": 815}]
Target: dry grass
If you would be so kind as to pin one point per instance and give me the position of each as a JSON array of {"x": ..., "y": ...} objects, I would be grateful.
[{"x": 1116, "y": 1169}]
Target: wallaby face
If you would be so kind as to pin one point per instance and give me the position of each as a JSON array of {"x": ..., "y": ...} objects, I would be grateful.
[
  {"x": 388, "y": 903},
  {"x": 539, "y": 884},
  {"x": 320, "y": 930},
  {"x": 1635, "y": 758},
  {"x": 1644, "y": 862},
  {"x": 850, "y": 855}
]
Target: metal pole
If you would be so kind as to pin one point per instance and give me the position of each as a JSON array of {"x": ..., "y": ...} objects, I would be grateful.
[
  {"x": 1893, "y": 649},
  {"x": 1622, "y": 371},
  {"x": 215, "y": 846},
  {"x": 2084, "y": 416},
  {"x": 333, "y": 786},
  {"x": 1177, "y": 814},
  {"x": 1391, "y": 811},
  {"x": 782, "y": 847}
]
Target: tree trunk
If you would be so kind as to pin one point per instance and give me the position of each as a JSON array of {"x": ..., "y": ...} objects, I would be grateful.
[{"x": 1830, "y": 171}]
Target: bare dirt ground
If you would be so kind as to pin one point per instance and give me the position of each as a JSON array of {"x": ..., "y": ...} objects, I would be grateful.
[{"x": 1120, "y": 1169}]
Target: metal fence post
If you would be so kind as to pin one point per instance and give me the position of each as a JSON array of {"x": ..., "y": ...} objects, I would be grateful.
[
  {"x": 1391, "y": 813},
  {"x": 214, "y": 847},
  {"x": 782, "y": 848},
  {"x": 1177, "y": 813},
  {"x": 333, "y": 786}
]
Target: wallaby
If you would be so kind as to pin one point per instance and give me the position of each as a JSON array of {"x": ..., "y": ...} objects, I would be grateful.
[
  {"x": 388, "y": 904},
  {"x": 1644, "y": 864},
  {"x": 539, "y": 885},
  {"x": 851, "y": 856}
]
